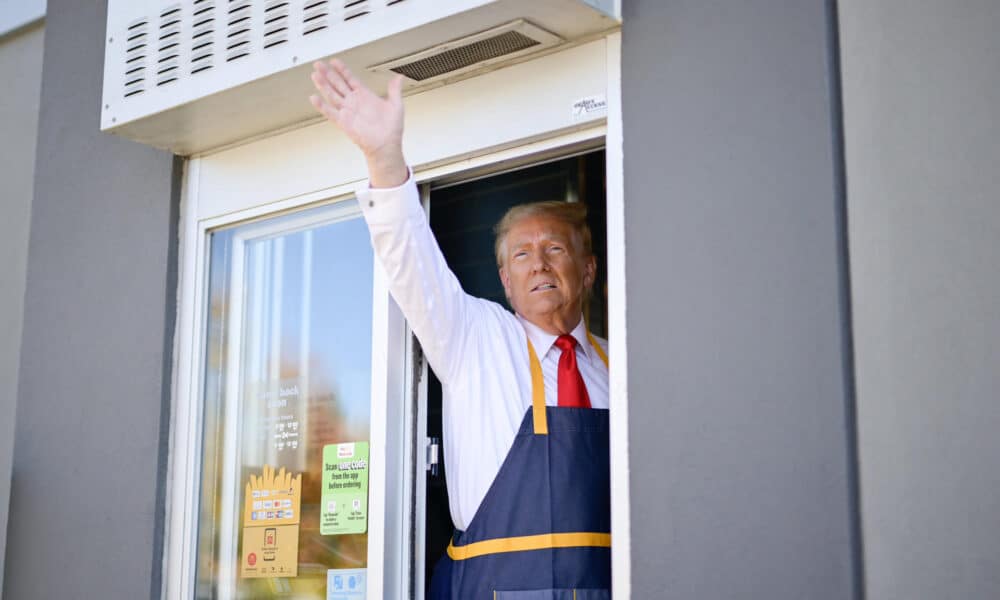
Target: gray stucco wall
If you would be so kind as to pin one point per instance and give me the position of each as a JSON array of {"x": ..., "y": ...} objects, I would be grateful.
[
  {"x": 89, "y": 445},
  {"x": 21, "y": 72},
  {"x": 739, "y": 372},
  {"x": 921, "y": 98}
]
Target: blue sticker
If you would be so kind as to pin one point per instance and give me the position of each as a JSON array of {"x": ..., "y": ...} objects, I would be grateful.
[{"x": 345, "y": 584}]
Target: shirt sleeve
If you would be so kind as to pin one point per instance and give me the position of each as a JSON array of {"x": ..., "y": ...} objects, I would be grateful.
[{"x": 438, "y": 310}]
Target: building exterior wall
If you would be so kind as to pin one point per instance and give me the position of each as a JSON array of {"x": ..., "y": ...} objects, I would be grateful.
[
  {"x": 740, "y": 349},
  {"x": 86, "y": 495},
  {"x": 21, "y": 72},
  {"x": 921, "y": 91},
  {"x": 739, "y": 364}
]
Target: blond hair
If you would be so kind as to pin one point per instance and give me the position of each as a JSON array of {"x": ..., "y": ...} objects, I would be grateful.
[{"x": 573, "y": 214}]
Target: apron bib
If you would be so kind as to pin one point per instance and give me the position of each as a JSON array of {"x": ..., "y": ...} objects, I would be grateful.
[{"x": 543, "y": 530}]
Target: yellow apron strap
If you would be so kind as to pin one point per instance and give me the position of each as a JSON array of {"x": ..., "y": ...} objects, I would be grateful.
[
  {"x": 541, "y": 422},
  {"x": 600, "y": 351},
  {"x": 525, "y": 543}
]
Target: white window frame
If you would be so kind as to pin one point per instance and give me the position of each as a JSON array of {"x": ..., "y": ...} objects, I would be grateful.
[
  {"x": 388, "y": 330},
  {"x": 205, "y": 208}
]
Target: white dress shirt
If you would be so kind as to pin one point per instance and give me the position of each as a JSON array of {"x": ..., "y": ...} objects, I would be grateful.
[{"x": 476, "y": 347}]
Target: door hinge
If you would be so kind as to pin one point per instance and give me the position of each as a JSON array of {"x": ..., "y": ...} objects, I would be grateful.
[{"x": 433, "y": 455}]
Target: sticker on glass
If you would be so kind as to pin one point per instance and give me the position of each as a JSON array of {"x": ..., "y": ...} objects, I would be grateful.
[
  {"x": 344, "y": 502},
  {"x": 345, "y": 584},
  {"x": 270, "y": 537}
]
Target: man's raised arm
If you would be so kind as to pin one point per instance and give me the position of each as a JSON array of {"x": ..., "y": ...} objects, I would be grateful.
[{"x": 430, "y": 296}]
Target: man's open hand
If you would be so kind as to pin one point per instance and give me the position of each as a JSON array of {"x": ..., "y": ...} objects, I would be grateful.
[{"x": 373, "y": 123}]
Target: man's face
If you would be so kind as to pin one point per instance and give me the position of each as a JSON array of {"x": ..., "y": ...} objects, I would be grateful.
[{"x": 545, "y": 272}]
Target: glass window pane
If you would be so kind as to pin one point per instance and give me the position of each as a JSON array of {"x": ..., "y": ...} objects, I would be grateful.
[{"x": 287, "y": 372}]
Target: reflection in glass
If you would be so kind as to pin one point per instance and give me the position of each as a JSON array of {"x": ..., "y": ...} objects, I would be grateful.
[{"x": 287, "y": 372}]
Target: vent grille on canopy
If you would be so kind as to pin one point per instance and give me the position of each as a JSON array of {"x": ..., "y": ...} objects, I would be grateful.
[
  {"x": 474, "y": 51},
  {"x": 202, "y": 36},
  {"x": 275, "y": 23},
  {"x": 466, "y": 56},
  {"x": 136, "y": 49},
  {"x": 168, "y": 44}
]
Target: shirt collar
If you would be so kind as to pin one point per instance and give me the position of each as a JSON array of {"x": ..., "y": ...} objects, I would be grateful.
[{"x": 543, "y": 341}]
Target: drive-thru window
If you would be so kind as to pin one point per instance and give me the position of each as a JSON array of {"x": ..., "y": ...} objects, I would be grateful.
[{"x": 306, "y": 425}]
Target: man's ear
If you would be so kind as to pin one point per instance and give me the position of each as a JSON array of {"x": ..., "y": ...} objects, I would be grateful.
[{"x": 590, "y": 272}]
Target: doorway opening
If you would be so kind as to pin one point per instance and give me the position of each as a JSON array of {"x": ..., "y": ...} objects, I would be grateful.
[{"x": 462, "y": 216}]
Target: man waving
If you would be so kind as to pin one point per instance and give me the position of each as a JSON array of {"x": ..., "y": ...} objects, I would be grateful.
[{"x": 525, "y": 395}]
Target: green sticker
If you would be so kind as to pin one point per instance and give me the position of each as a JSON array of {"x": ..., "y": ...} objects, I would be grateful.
[{"x": 345, "y": 489}]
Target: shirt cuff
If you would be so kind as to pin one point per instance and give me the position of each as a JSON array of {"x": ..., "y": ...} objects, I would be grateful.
[{"x": 388, "y": 205}]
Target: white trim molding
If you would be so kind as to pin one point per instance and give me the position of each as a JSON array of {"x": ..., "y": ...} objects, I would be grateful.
[{"x": 621, "y": 556}]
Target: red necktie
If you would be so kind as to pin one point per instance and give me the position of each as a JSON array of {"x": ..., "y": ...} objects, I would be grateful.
[{"x": 572, "y": 391}]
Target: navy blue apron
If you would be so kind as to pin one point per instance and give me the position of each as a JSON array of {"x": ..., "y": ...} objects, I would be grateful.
[{"x": 543, "y": 531}]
